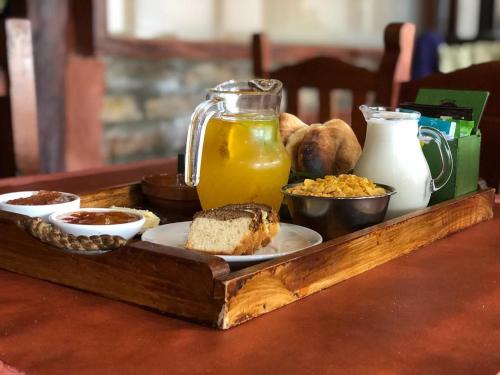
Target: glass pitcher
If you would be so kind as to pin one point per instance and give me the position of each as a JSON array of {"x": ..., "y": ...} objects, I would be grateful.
[
  {"x": 233, "y": 151},
  {"x": 392, "y": 155}
]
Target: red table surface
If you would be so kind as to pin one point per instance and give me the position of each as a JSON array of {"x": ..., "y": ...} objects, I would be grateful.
[{"x": 435, "y": 311}]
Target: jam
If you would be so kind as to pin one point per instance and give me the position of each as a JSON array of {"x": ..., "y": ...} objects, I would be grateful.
[
  {"x": 99, "y": 217},
  {"x": 42, "y": 198}
]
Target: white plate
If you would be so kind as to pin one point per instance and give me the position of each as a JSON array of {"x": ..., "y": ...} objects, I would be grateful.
[{"x": 290, "y": 238}]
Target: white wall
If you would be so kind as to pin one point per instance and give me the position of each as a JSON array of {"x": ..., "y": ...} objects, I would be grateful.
[
  {"x": 340, "y": 22},
  {"x": 468, "y": 18}
]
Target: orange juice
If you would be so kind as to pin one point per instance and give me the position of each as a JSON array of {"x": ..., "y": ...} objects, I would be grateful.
[{"x": 243, "y": 160}]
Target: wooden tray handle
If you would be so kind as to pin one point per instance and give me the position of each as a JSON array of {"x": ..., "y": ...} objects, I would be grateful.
[{"x": 11, "y": 217}]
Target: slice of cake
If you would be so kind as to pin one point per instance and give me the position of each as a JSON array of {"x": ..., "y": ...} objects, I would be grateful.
[
  {"x": 225, "y": 231},
  {"x": 270, "y": 218},
  {"x": 233, "y": 229}
]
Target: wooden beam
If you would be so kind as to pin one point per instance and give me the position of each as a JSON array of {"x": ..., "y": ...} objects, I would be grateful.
[
  {"x": 7, "y": 160},
  {"x": 81, "y": 39},
  {"x": 84, "y": 90},
  {"x": 261, "y": 55},
  {"x": 22, "y": 96},
  {"x": 452, "y": 21},
  {"x": 429, "y": 12},
  {"x": 172, "y": 47},
  {"x": 486, "y": 19},
  {"x": 49, "y": 20}
]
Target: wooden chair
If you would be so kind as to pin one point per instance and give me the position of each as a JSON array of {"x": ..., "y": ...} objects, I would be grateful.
[
  {"x": 485, "y": 77},
  {"x": 329, "y": 73},
  {"x": 30, "y": 140},
  {"x": 19, "y": 143}
]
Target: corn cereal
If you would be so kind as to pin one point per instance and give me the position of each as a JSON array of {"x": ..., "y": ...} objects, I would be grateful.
[{"x": 344, "y": 185}]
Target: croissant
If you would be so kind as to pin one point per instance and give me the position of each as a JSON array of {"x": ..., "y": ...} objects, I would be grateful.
[{"x": 320, "y": 149}]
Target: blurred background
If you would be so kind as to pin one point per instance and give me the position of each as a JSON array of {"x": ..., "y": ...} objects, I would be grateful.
[{"x": 126, "y": 74}]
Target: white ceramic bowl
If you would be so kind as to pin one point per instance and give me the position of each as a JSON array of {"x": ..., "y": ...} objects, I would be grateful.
[
  {"x": 42, "y": 211},
  {"x": 125, "y": 230}
]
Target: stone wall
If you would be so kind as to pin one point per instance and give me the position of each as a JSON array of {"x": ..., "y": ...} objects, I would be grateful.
[{"x": 149, "y": 103}]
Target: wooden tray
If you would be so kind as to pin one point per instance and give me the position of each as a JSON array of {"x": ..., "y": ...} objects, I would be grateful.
[{"x": 203, "y": 288}]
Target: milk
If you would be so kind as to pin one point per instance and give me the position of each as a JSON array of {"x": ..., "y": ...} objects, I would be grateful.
[{"x": 392, "y": 155}]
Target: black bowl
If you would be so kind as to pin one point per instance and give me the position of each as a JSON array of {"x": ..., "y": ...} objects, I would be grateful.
[{"x": 334, "y": 217}]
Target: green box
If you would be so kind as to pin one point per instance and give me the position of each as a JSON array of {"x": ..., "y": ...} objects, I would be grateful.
[{"x": 465, "y": 152}]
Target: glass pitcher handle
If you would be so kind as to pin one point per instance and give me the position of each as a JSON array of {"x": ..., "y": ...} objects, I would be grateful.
[
  {"x": 195, "y": 136},
  {"x": 445, "y": 154}
]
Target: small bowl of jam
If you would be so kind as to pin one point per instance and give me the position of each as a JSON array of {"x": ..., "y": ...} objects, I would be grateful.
[
  {"x": 40, "y": 203},
  {"x": 98, "y": 221}
]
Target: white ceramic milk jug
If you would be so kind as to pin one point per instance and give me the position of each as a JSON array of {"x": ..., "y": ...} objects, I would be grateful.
[{"x": 392, "y": 155}]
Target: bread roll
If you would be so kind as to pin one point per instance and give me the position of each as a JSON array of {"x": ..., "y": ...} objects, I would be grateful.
[
  {"x": 288, "y": 125},
  {"x": 293, "y": 144},
  {"x": 329, "y": 149},
  {"x": 319, "y": 149}
]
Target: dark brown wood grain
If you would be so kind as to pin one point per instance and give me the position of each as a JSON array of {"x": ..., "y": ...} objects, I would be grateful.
[
  {"x": 261, "y": 55},
  {"x": 166, "y": 279},
  {"x": 452, "y": 21},
  {"x": 327, "y": 73},
  {"x": 7, "y": 159},
  {"x": 82, "y": 26},
  {"x": 484, "y": 77},
  {"x": 202, "y": 288}
]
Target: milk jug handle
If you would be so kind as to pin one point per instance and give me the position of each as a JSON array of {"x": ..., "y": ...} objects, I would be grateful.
[
  {"x": 195, "y": 136},
  {"x": 445, "y": 154}
]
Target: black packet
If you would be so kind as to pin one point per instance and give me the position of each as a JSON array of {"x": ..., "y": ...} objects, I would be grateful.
[{"x": 436, "y": 111}]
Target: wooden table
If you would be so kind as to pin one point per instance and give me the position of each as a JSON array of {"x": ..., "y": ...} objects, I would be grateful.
[{"x": 436, "y": 310}]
